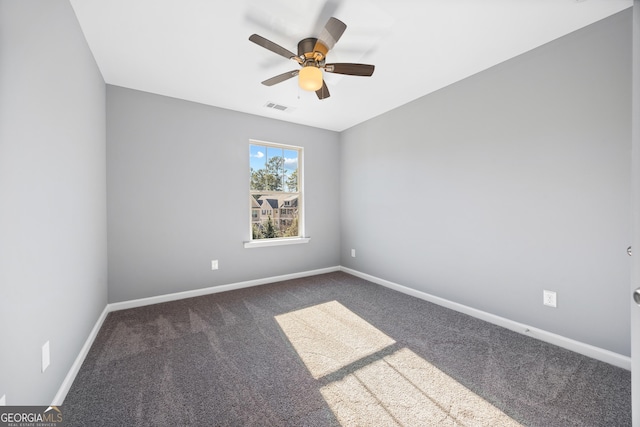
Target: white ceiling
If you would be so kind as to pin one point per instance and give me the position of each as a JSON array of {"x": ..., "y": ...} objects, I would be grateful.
[{"x": 198, "y": 50}]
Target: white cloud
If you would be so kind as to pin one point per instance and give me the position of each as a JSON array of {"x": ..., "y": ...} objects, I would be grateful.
[
  {"x": 259, "y": 155},
  {"x": 291, "y": 163}
]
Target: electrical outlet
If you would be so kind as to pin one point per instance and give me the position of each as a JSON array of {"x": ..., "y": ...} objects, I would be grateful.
[
  {"x": 46, "y": 356},
  {"x": 549, "y": 298},
  {"x": 353, "y": 253},
  {"x": 214, "y": 264},
  {"x": 3, "y": 400}
]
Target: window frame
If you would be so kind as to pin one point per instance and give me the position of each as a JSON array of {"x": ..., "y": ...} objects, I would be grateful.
[{"x": 278, "y": 241}]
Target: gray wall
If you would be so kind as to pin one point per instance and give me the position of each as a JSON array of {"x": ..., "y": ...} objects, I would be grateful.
[
  {"x": 512, "y": 181},
  {"x": 178, "y": 179},
  {"x": 53, "y": 256}
]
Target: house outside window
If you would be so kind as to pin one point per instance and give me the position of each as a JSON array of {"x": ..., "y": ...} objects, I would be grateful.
[{"x": 275, "y": 182}]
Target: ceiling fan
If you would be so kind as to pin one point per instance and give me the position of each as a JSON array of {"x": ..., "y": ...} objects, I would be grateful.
[{"x": 312, "y": 53}]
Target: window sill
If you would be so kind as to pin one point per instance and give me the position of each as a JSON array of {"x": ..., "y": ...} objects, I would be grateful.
[{"x": 276, "y": 242}]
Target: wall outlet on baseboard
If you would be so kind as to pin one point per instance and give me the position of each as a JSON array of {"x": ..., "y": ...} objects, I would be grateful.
[
  {"x": 549, "y": 298},
  {"x": 46, "y": 356},
  {"x": 353, "y": 253},
  {"x": 214, "y": 264}
]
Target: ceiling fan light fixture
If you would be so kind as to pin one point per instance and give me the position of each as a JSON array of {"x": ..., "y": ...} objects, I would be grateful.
[{"x": 310, "y": 78}]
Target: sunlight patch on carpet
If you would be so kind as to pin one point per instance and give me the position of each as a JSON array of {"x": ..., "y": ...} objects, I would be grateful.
[
  {"x": 396, "y": 388},
  {"x": 403, "y": 389},
  {"x": 329, "y": 337}
]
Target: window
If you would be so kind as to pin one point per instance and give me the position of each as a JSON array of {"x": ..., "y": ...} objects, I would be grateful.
[{"x": 275, "y": 193}]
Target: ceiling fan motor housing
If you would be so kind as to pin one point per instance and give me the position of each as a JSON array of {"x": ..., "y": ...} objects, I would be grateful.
[{"x": 305, "y": 46}]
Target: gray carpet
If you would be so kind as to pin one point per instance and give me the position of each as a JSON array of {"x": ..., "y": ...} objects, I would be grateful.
[{"x": 332, "y": 350}]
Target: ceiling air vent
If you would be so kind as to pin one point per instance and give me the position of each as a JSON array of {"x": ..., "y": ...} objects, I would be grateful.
[{"x": 278, "y": 107}]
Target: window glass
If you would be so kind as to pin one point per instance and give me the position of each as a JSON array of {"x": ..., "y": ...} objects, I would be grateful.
[{"x": 275, "y": 191}]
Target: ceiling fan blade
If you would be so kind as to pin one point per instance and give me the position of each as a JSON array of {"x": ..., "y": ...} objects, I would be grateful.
[
  {"x": 350, "y": 69},
  {"x": 280, "y": 78},
  {"x": 323, "y": 92},
  {"x": 273, "y": 47},
  {"x": 330, "y": 34}
]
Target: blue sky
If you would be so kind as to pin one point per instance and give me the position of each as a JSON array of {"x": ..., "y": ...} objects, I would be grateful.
[{"x": 259, "y": 154}]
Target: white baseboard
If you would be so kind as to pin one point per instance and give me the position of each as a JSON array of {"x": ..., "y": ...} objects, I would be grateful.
[
  {"x": 215, "y": 289},
  {"x": 567, "y": 343},
  {"x": 75, "y": 368}
]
